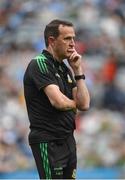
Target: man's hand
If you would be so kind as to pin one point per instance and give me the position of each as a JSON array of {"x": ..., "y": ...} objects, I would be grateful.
[{"x": 75, "y": 62}]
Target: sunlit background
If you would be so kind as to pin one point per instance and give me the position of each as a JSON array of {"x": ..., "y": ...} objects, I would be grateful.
[{"x": 100, "y": 38}]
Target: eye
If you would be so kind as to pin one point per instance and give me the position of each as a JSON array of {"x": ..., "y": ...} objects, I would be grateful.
[{"x": 69, "y": 38}]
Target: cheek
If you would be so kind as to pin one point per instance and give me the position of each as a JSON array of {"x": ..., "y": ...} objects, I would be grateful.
[
  {"x": 62, "y": 47},
  {"x": 65, "y": 46}
]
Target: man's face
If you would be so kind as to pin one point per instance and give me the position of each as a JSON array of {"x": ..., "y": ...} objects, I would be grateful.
[{"x": 64, "y": 44}]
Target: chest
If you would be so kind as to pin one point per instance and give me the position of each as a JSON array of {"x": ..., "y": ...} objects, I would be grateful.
[{"x": 64, "y": 80}]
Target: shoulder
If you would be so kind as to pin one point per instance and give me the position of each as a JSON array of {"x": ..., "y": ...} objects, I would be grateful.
[
  {"x": 42, "y": 64},
  {"x": 39, "y": 59},
  {"x": 42, "y": 59},
  {"x": 32, "y": 64}
]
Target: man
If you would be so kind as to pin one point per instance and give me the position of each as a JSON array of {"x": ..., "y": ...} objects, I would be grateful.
[{"x": 52, "y": 98}]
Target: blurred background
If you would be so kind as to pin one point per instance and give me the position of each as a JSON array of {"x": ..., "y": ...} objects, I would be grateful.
[{"x": 100, "y": 39}]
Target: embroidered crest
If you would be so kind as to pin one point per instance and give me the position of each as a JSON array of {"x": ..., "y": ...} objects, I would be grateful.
[
  {"x": 69, "y": 79},
  {"x": 57, "y": 75}
]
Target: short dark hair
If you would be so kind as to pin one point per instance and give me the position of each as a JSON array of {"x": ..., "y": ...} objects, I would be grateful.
[{"x": 52, "y": 29}]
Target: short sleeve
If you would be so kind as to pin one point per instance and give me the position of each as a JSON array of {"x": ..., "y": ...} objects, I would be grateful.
[{"x": 42, "y": 73}]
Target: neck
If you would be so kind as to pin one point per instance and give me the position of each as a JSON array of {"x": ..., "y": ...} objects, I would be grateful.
[{"x": 55, "y": 56}]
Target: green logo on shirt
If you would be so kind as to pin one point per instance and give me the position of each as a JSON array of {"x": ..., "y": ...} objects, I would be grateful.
[{"x": 41, "y": 61}]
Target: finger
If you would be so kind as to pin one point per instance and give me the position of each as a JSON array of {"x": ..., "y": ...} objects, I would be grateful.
[
  {"x": 75, "y": 57},
  {"x": 72, "y": 55}
]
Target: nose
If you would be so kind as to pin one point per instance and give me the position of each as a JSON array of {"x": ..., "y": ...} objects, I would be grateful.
[{"x": 72, "y": 42}]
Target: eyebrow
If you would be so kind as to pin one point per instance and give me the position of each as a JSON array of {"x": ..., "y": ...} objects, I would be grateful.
[{"x": 69, "y": 37}]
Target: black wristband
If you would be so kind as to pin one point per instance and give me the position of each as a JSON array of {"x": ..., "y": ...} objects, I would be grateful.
[{"x": 78, "y": 77}]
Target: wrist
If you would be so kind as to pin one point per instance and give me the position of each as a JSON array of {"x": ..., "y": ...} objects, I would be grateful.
[
  {"x": 78, "y": 71},
  {"x": 78, "y": 77}
]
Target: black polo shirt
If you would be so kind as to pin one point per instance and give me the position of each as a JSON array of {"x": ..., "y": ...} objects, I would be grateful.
[{"x": 46, "y": 122}]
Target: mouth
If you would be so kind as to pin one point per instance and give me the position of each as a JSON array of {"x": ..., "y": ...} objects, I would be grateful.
[{"x": 70, "y": 50}]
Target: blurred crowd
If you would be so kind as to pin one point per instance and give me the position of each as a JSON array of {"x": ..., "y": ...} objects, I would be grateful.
[{"x": 100, "y": 39}]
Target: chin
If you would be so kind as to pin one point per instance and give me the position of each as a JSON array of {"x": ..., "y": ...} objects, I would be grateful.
[
  {"x": 68, "y": 54},
  {"x": 67, "y": 57}
]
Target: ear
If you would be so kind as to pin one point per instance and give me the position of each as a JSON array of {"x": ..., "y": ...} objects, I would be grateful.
[{"x": 51, "y": 40}]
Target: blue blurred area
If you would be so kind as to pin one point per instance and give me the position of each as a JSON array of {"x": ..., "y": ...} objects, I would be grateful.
[{"x": 94, "y": 173}]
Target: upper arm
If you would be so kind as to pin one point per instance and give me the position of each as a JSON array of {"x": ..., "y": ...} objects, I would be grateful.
[
  {"x": 45, "y": 79},
  {"x": 40, "y": 77}
]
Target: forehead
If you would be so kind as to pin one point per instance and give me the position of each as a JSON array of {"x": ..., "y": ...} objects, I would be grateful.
[{"x": 66, "y": 30}]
